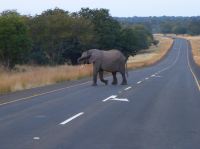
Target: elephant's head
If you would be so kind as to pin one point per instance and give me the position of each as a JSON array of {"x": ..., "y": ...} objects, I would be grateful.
[{"x": 87, "y": 57}]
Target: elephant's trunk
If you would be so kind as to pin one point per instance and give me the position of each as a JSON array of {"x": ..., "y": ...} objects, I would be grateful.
[
  {"x": 79, "y": 60},
  {"x": 82, "y": 59}
]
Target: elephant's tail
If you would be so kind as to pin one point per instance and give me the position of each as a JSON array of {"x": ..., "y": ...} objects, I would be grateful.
[{"x": 126, "y": 69}]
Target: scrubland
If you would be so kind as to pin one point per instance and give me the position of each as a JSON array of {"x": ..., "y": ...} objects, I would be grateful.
[{"x": 25, "y": 77}]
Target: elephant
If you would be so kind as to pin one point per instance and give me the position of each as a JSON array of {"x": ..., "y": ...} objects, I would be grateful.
[{"x": 110, "y": 61}]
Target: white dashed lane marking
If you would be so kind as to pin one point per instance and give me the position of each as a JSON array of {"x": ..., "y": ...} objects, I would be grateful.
[
  {"x": 71, "y": 118},
  {"x": 36, "y": 138},
  {"x": 139, "y": 82},
  {"x": 44, "y": 93},
  {"x": 127, "y": 88}
]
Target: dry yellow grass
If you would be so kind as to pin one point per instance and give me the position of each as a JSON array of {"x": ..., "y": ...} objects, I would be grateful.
[
  {"x": 152, "y": 55},
  {"x": 28, "y": 76},
  {"x": 39, "y": 76},
  {"x": 195, "y": 43}
]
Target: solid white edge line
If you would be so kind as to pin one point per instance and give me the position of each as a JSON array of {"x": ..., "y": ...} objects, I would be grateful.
[
  {"x": 195, "y": 78},
  {"x": 127, "y": 88},
  {"x": 170, "y": 66},
  {"x": 36, "y": 95},
  {"x": 71, "y": 118}
]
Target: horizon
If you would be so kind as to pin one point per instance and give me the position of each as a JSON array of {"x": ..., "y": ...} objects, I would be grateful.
[
  {"x": 93, "y": 8},
  {"x": 125, "y": 8}
]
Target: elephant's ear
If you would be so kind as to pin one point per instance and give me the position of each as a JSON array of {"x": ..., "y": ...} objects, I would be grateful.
[{"x": 92, "y": 58}]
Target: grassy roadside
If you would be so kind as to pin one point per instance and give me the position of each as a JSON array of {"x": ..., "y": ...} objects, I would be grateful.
[
  {"x": 152, "y": 55},
  {"x": 195, "y": 43},
  {"x": 26, "y": 77}
]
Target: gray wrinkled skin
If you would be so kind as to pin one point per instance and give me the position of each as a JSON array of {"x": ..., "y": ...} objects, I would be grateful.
[{"x": 111, "y": 61}]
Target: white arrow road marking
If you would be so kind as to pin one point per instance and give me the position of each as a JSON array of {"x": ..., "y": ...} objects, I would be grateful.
[
  {"x": 120, "y": 99},
  {"x": 71, "y": 118},
  {"x": 139, "y": 82},
  {"x": 127, "y": 88},
  {"x": 114, "y": 97}
]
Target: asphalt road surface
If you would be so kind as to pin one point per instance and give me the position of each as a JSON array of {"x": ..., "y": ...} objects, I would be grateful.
[{"x": 158, "y": 109}]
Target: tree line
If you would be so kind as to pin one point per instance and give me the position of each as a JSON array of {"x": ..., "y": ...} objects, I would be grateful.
[
  {"x": 57, "y": 36},
  {"x": 165, "y": 24}
]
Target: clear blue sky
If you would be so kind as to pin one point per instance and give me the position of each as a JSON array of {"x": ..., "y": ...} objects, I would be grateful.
[{"x": 124, "y": 8}]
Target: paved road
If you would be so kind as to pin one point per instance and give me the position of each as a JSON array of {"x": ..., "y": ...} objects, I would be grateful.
[{"x": 159, "y": 109}]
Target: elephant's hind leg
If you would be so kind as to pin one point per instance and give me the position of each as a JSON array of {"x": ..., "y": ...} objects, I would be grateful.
[
  {"x": 101, "y": 77},
  {"x": 114, "y": 78},
  {"x": 124, "y": 81}
]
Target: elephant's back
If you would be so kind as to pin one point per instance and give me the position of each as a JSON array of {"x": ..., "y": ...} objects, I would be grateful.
[
  {"x": 114, "y": 55},
  {"x": 113, "y": 60}
]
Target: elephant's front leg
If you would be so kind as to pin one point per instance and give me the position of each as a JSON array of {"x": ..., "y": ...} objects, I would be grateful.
[
  {"x": 101, "y": 77},
  {"x": 95, "y": 73},
  {"x": 94, "y": 79}
]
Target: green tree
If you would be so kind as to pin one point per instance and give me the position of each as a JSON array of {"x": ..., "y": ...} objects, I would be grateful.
[
  {"x": 179, "y": 29},
  {"x": 194, "y": 27},
  {"x": 166, "y": 27},
  {"x": 106, "y": 28},
  {"x": 48, "y": 31},
  {"x": 59, "y": 36},
  {"x": 134, "y": 38},
  {"x": 144, "y": 37},
  {"x": 128, "y": 42},
  {"x": 14, "y": 40}
]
